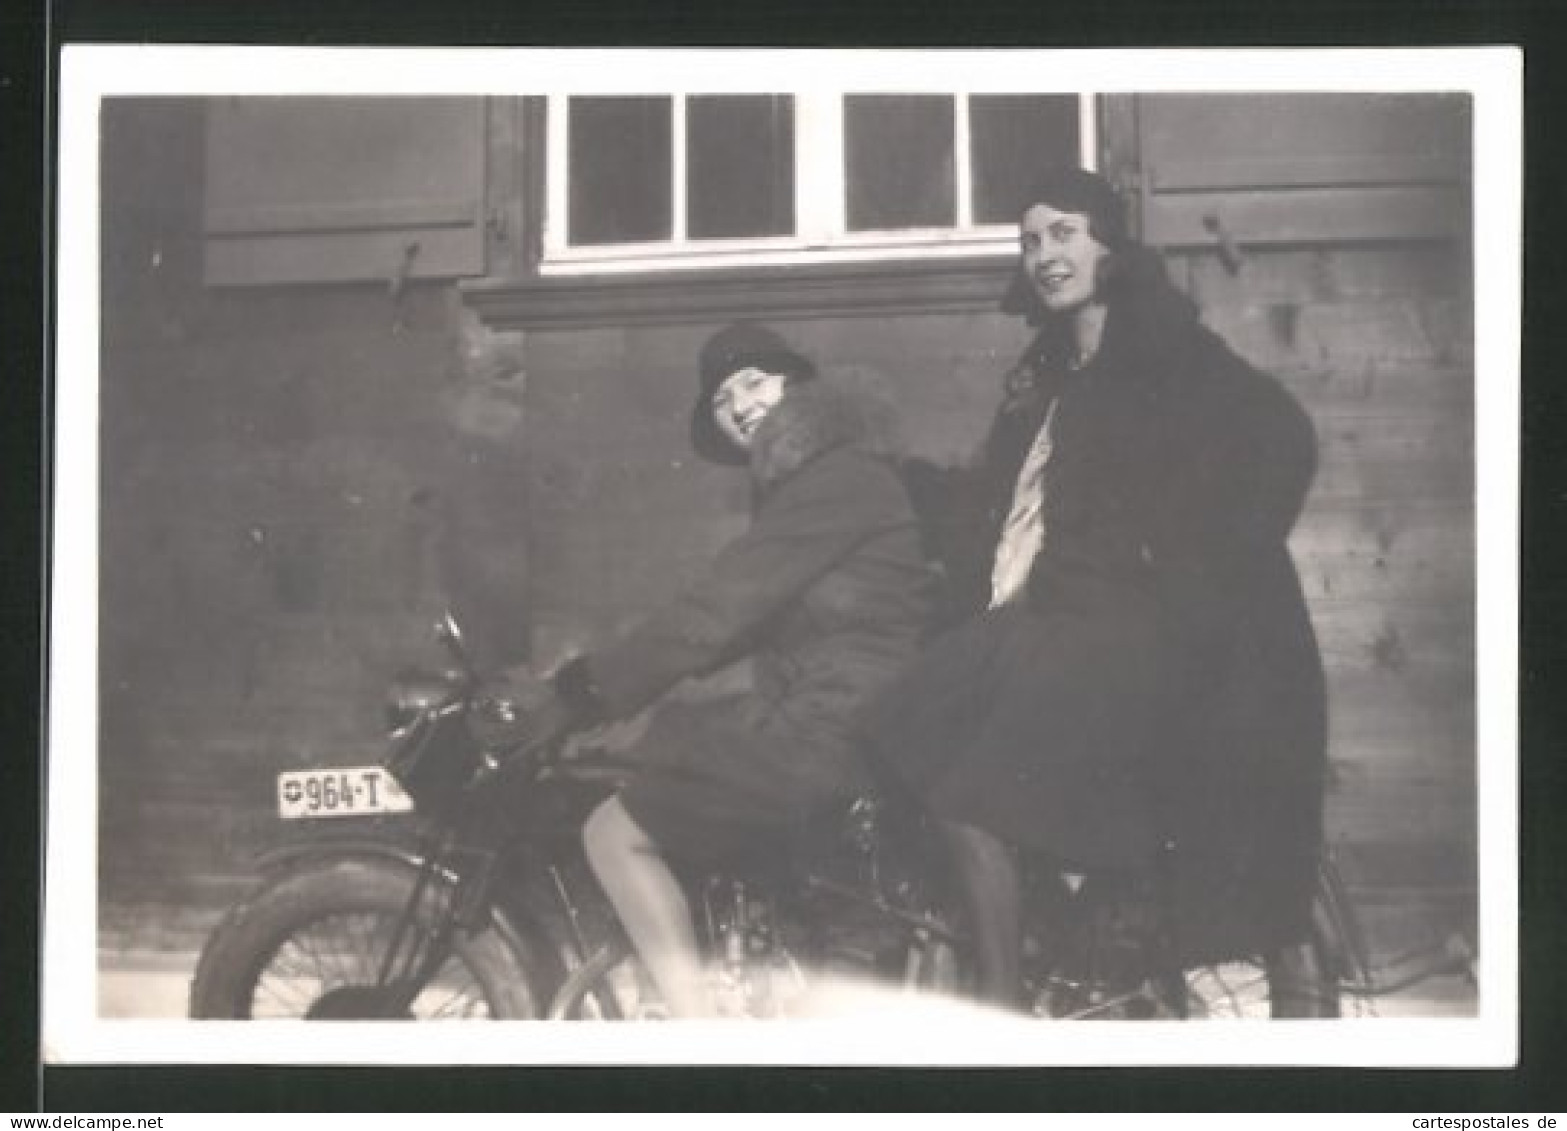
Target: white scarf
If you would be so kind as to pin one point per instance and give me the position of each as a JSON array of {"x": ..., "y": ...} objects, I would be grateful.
[{"x": 1023, "y": 533}]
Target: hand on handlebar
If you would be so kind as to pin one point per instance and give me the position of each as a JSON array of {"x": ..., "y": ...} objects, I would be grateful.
[{"x": 516, "y": 710}]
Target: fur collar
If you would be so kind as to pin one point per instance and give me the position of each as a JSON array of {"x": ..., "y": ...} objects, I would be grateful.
[{"x": 816, "y": 417}]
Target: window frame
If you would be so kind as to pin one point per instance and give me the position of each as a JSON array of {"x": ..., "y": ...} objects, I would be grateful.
[{"x": 821, "y": 235}]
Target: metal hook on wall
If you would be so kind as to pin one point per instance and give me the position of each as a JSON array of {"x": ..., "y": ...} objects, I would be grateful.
[
  {"x": 397, "y": 285},
  {"x": 1230, "y": 253}
]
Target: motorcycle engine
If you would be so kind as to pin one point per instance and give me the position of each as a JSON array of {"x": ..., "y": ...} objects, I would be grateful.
[{"x": 754, "y": 973}]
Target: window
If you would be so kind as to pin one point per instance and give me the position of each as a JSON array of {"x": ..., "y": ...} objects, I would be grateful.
[{"x": 699, "y": 180}]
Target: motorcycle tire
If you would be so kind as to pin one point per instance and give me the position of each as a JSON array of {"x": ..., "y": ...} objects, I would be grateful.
[
  {"x": 1299, "y": 981},
  {"x": 611, "y": 985},
  {"x": 310, "y": 945},
  {"x": 1296, "y": 982},
  {"x": 1114, "y": 976}
]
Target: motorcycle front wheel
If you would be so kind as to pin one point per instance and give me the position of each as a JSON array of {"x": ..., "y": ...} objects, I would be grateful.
[{"x": 312, "y": 946}]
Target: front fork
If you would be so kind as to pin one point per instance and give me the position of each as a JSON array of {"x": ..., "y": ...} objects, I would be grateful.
[{"x": 418, "y": 948}]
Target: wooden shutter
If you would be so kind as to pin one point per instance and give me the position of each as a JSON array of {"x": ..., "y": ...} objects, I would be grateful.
[
  {"x": 1301, "y": 168},
  {"x": 309, "y": 189}
]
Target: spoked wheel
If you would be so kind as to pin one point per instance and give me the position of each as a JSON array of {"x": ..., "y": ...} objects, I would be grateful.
[
  {"x": 1304, "y": 979},
  {"x": 1296, "y": 981},
  {"x": 1107, "y": 964},
  {"x": 313, "y": 946},
  {"x": 612, "y": 985}
]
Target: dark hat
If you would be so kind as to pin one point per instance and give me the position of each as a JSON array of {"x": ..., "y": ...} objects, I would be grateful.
[
  {"x": 742, "y": 345},
  {"x": 1069, "y": 189}
]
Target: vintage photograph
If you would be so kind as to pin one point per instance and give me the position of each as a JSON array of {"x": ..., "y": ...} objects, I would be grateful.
[{"x": 710, "y": 555}]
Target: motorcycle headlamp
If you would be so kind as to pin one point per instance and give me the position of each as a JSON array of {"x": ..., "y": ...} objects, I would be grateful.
[{"x": 413, "y": 695}]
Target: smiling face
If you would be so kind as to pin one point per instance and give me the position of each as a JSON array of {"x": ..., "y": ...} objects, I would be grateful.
[
  {"x": 1061, "y": 258},
  {"x": 743, "y": 399}
]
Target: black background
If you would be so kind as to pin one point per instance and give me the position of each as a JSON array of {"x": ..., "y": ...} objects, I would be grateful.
[{"x": 30, "y": 38}]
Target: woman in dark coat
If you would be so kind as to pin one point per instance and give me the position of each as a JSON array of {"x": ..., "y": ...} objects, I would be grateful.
[
  {"x": 827, "y": 592},
  {"x": 1143, "y": 673}
]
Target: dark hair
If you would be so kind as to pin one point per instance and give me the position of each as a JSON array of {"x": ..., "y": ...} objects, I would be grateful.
[{"x": 1069, "y": 189}]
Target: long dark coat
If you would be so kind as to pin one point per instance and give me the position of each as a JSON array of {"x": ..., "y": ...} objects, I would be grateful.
[
  {"x": 827, "y": 591},
  {"x": 1160, "y": 685}
]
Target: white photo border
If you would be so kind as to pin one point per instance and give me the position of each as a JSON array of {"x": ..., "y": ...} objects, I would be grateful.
[{"x": 72, "y": 1031}]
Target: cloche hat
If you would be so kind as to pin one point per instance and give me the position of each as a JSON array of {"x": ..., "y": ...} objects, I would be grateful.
[{"x": 741, "y": 345}]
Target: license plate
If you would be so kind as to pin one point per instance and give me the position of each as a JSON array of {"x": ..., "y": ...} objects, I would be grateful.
[{"x": 352, "y": 791}]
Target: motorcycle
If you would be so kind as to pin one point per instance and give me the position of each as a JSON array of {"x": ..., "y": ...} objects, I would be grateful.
[{"x": 467, "y": 895}]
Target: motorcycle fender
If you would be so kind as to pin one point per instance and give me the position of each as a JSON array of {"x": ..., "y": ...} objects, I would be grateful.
[
  {"x": 290, "y": 857},
  {"x": 523, "y": 930}
]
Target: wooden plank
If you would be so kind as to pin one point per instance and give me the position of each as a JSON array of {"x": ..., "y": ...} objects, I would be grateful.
[
  {"x": 1380, "y": 864},
  {"x": 1406, "y": 737},
  {"x": 1372, "y": 582},
  {"x": 1356, "y": 645},
  {"x": 1305, "y": 215},
  {"x": 1420, "y": 771},
  {"x": 1445, "y": 779},
  {"x": 368, "y": 215},
  {"x": 1390, "y": 484},
  {"x": 1388, "y": 533},
  {"x": 1393, "y": 817},
  {"x": 930, "y": 285},
  {"x": 1421, "y": 768},
  {"x": 1120, "y": 151},
  {"x": 1434, "y": 700},
  {"x": 1423, "y": 271},
  {"x": 1307, "y": 171},
  {"x": 307, "y": 189},
  {"x": 513, "y": 193},
  {"x": 1296, "y": 127},
  {"x": 335, "y": 257},
  {"x": 1366, "y": 642}
]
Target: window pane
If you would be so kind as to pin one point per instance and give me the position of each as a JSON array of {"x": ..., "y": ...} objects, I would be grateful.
[
  {"x": 740, "y": 165},
  {"x": 619, "y": 175},
  {"x": 1013, "y": 137},
  {"x": 898, "y": 161}
]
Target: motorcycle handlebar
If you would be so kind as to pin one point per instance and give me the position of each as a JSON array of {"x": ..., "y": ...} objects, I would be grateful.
[{"x": 450, "y": 634}]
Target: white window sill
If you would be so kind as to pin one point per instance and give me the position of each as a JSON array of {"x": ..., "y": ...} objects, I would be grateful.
[
  {"x": 871, "y": 248},
  {"x": 920, "y": 282}
]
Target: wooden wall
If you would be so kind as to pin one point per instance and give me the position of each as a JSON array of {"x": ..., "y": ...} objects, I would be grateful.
[
  {"x": 285, "y": 467},
  {"x": 1376, "y": 342},
  {"x": 283, "y": 471},
  {"x": 622, "y": 509}
]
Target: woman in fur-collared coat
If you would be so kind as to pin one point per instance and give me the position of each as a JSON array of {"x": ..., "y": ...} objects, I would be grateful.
[
  {"x": 1142, "y": 675},
  {"x": 827, "y": 593}
]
